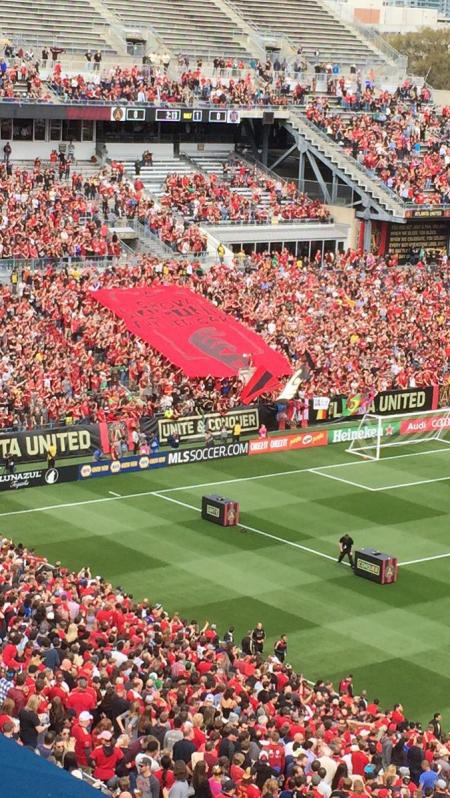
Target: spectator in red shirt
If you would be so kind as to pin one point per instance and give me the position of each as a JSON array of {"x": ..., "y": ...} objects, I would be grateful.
[
  {"x": 82, "y": 698},
  {"x": 105, "y": 758},
  {"x": 359, "y": 759},
  {"x": 82, "y": 737}
]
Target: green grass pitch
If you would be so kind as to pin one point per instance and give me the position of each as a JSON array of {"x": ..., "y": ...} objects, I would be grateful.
[{"x": 395, "y": 639}]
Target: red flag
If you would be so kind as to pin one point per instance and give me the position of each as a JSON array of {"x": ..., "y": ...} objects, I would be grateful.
[
  {"x": 190, "y": 331},
  {"x": 260, "y": 382}
]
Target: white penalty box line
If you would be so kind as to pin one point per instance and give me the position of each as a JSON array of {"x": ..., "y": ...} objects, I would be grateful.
[{"x": 321, "y": 472}]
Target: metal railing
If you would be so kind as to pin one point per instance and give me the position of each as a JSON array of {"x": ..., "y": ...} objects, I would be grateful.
[
  {"x": 378, "y": 41},
  {"x": 371, "y": 175},
  {"x": 264, "y": 222},
  {"x": 7, "y": 265}
]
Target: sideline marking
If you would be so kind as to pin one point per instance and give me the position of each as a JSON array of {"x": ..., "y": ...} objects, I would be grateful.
[
  {"x": 257, "y": 531},
  {"x": 113, "y": 493},
  {"x": 410, "y": 484},
  {"x": 320, "y": 471},
  {"x": 382, "y": 459},
  {"x": 153, "y": 492},
  {"x": 425, "y": 559}
]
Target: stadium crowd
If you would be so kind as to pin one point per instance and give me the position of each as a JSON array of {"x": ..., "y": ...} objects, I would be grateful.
[
  {"x": 355, "y": 323},
  {"x": 153, "y": 705},
  {"x": 404, "y": 142},
  {"x": 209, "y": 199},
  {"x": 21, "y": 79},
  {"x": 52, "y": 212},
  {"x": 150, "y": 84},
  {"x": 44, "y": 215}
]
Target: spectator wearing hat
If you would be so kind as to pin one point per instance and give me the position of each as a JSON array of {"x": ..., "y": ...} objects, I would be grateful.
[
  {"x": 83, "y": 738},
  {"x": 228, "y": 637},
  {"x": 146, "y": 782},
  {"x": 440, "y": 788},
  {"x": 82, "y": 698}
]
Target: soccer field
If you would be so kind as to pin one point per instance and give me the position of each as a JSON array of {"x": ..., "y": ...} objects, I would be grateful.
[{"x": 144, "y": 532}]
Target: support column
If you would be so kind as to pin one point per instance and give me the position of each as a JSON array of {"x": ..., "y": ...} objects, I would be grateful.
[
  {"x": 265, "y": 145},
  {"x": 301, "y": 171},
  {"x": 367, "y": 234},
  {"x": 334, "y": 189}
]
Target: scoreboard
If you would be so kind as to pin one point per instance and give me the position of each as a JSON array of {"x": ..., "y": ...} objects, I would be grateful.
[{"x": 122, "y": 113}]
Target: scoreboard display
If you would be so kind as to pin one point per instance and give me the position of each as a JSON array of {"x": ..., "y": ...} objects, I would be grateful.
[
  {"x": 144, "y": 113},
  {"x": 168, "y": 115}
]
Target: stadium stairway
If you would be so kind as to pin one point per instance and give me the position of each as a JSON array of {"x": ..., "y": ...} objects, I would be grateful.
[
  {"x": 212, "y": 165},
  {"x": 154, "y": 176},
  {"x": 209, "y": 164},
  {"x": 323, "y": 146}
]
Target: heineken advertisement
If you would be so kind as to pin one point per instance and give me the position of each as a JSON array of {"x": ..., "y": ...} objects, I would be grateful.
[{"x": 356, "y": 432}]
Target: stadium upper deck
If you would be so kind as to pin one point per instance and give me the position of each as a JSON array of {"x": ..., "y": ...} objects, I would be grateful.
[{"x": 213, "y": 27}]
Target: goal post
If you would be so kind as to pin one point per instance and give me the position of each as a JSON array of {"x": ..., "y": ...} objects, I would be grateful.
[{"x": 376, "y": 433}]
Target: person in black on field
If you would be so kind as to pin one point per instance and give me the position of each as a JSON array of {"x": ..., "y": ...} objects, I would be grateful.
[
  {"x": 258, "y": 637},
  {"x": 345, "y": 549}
]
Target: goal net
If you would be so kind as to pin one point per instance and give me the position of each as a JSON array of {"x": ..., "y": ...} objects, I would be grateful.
[{"x": 375, "y": 434}]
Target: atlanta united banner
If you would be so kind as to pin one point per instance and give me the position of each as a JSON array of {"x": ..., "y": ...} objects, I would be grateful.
[
  {"x": 191, "y": 332},
  {"x": 384, "y": 403},
  {"x": 73, "y": 441}
]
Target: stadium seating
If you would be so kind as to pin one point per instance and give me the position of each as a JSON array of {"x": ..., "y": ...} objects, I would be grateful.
[
  {"x": 312, "y": 26},
  {"x": 231, "y": 29},
  {"x": 198, "y": 27},
  {"x": 406, "y": 151},
  {"x": 154, "y": 176},
  {"x": 52, "y": 22},
  {"x": 243, "y": 194}
]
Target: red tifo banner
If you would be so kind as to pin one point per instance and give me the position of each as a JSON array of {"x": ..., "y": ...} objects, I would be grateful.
[{"x": 190, "y": 331}]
